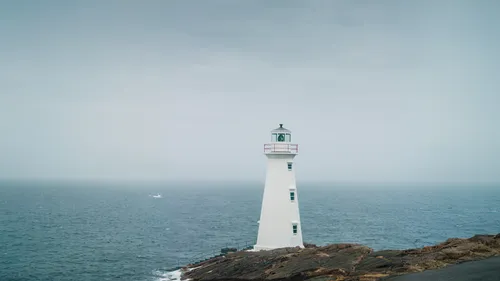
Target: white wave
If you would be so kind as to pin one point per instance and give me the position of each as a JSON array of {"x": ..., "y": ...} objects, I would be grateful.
[
  {"x": 168, "y": 276},
  {"x": 171, "y": 275}
]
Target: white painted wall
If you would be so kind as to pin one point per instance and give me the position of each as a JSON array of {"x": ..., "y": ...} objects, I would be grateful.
[{"x": 278, "y": 213}]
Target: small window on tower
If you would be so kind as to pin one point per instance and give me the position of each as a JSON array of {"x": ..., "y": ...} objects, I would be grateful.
[
  {"x": 289, "y": 166},
  {"x": 294, "y": 229},
  {"x": 292, "y": 196}
]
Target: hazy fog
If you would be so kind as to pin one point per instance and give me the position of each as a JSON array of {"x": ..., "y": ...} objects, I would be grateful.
[{"x": 399, "y": 91}]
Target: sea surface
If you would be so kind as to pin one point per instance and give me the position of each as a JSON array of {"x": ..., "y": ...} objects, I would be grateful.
[{"x": 92, "y": 231}]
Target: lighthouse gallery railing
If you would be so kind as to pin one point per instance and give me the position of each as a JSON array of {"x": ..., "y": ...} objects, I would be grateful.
[{"x": 281, "y": 147}]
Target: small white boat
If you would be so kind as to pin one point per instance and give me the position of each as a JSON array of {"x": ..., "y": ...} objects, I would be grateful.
[{"x": 157, "y": 196}]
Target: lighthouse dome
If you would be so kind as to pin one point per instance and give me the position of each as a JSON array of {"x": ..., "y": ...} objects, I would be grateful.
[{"x": 281, "y": 130}]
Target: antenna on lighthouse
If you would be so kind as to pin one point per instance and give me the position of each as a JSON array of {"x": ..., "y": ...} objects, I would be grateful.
[{"x": 279, "y": 224}]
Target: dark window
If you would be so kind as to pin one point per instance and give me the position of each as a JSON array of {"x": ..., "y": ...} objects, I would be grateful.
[
  {"x": 281, "y": 137},
  {"x": 289, "y": 166},
  {"x": 292, "y": 195},
  {"x": 294, "y": 229}
]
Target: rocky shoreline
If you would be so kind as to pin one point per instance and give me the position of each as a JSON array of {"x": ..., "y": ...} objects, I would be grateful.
[{"x": 347, "y": 262}]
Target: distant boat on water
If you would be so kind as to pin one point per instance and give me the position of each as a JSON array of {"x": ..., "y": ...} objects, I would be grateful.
[{"x": 158, "y": 195}]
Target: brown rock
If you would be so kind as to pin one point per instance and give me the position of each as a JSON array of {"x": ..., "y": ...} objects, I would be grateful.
[
  {"x": 347, "y": 262},
  {"x": 309, "y": 245}
]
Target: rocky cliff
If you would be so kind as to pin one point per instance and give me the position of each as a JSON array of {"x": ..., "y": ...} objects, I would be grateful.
[{"x": 340, "y": 261}]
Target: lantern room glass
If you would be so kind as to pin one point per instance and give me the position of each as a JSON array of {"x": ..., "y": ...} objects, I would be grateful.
[{"x": 280, "y": 137}]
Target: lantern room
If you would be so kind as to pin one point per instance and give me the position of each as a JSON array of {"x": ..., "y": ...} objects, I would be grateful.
[
  {"x": 281, "y": 135},
  {"x": 281, "y": 139}
]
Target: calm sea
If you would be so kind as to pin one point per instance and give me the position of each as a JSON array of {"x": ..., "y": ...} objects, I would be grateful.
[{"x": 119, "y": 231}]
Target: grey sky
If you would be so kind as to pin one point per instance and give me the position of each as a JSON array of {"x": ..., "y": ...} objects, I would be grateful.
[{"x": 379, "y": 91}]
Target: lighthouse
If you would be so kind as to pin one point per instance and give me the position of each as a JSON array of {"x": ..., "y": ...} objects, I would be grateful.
[{"x": 279, "y": 224}]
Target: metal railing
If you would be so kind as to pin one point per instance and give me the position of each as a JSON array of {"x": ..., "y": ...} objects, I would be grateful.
[{"x": 281, "y": 148}]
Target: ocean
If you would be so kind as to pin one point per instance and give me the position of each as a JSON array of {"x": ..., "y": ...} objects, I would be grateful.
[{"x": 84, "y": 231}]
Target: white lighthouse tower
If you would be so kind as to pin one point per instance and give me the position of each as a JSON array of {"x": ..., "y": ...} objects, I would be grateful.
[{"x": 279, "y": 224}]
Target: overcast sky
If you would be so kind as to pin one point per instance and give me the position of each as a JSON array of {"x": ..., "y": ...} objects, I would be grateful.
[{"x": 373, "y": 91}]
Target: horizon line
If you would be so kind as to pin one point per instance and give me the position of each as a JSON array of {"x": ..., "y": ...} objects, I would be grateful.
[{"x": 232, "y": 181}]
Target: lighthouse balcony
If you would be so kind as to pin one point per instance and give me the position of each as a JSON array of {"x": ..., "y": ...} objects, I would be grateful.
[{"x": 281, "y": 148}]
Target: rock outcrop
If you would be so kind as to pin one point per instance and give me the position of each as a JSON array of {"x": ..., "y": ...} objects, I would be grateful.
[{"x": 347, "y": 262}]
